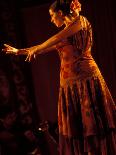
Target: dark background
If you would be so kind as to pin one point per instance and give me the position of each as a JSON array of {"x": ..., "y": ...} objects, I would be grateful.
[{"x": 24, "y": 23}]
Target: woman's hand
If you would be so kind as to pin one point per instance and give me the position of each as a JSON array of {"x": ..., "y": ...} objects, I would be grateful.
[
  {"x": 11, "y": 50},
  {"x": 32, "y": 53}
]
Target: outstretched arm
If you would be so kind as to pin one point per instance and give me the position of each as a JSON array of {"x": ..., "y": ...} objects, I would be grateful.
[
  {"x": 68, "y": 31},
  {"x": 49, "y": 44},
  {"x": 54, "y": 40},
  {"x": 25, "y": 51}
]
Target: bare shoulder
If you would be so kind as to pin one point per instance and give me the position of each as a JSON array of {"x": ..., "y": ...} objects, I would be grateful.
[
  {"x": 84, "y": 22},
  {"x": 76, "y": 25}
]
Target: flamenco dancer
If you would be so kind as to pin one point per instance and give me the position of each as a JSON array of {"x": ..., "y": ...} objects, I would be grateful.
[{"x": 86, "y": 110}]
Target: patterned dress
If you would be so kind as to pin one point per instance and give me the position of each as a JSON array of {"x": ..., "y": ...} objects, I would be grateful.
[{"x": 86, "y": 110}]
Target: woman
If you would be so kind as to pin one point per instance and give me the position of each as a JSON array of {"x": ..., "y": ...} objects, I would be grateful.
[{"x": 86, "y": 111}]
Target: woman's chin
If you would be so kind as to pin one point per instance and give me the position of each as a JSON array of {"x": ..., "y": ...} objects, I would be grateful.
[{"x": 59, "y": 25}]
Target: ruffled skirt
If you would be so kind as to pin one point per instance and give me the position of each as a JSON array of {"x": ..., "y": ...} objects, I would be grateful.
[{"x": 86, "y": 118}]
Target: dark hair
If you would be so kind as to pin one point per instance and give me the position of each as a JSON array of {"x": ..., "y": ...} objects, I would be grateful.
[{"x": 63, "y": 5}]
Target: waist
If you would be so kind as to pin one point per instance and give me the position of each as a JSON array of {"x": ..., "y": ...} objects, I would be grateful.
[
  {"x": 74, "y": 56},
  {"x": 85, "y": 58},
  {"x": 81, "y": 68}
]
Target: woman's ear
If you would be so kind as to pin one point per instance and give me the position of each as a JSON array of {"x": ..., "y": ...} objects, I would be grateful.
[{"x": 60, "y": 13}]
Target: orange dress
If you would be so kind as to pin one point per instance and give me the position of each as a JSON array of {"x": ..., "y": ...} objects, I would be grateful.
[{"x": 86, "y": 110}]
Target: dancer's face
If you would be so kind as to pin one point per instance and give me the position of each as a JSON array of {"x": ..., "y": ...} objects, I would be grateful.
[{"x": 56, "y": 18}]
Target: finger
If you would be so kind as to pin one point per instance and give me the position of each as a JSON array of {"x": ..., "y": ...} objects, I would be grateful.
[
  {"x": 34, "y": 56},
  {"x": 14, "y": 50},
  {"x": 27, "y": 58},
  {"x": 10, "y": 52},
  {"x": 30, "y": 58},
  {"x": 6, "y": 45}
]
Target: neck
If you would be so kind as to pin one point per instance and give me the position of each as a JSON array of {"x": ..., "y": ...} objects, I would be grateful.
[
  {"x": 77, "y": 12},
  {"x": 68, "y": 20}
]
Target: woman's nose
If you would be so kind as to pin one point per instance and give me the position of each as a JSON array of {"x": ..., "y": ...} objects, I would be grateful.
[{"x": 52, "y": 19}]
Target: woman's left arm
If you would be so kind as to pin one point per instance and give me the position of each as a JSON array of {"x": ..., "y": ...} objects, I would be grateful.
[{"x": 68, "y": 31}]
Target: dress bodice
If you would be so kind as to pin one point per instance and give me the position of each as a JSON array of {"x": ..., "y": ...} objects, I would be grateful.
[
  {"x": 75, "y": 54},
  {"x": 77, "y": 44}
]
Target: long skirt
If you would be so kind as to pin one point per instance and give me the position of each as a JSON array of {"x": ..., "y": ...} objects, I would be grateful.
[{"x": 86, "y": 118}]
